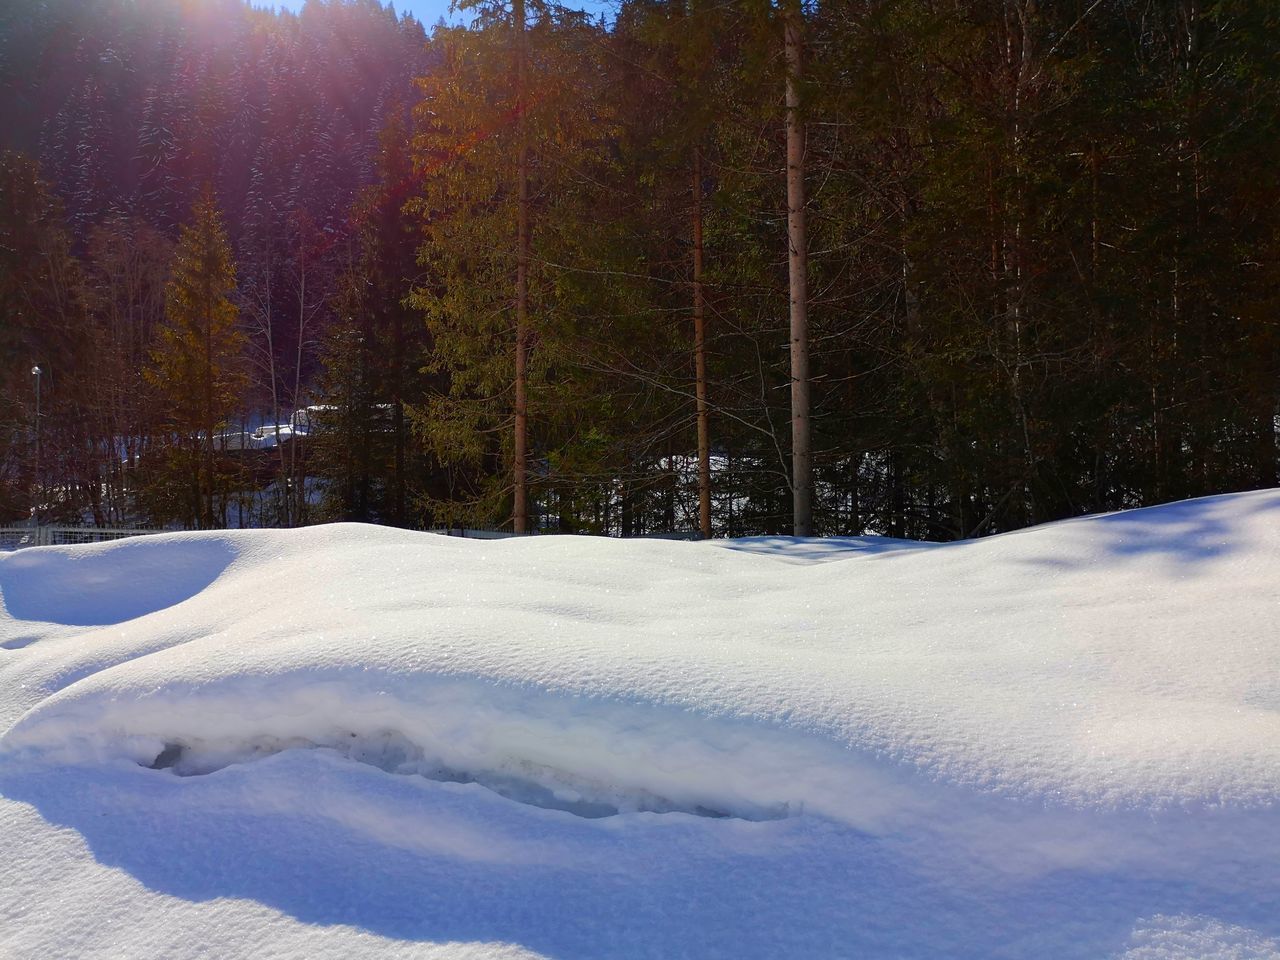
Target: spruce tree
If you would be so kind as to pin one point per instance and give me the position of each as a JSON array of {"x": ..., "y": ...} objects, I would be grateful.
[
  {"x": 197, "y": 360},
  {"x": 491, "y": 257}
]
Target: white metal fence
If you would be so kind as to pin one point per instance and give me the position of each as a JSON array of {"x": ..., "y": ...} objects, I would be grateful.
[
  {"x": 15, "y": 538},
  {"x": 475, "y": 533},
  {"x": 493, "y": 533}
]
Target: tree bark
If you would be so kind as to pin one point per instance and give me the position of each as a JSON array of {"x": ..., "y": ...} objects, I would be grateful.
[
  {"x": 397, "y": 419},
  {"x": 700, "y": 354},
  {"x": 520, "y": 511},
  {"x": 295, "y": 487},
  {"x": 798, "y": 263},
  {"x": 207, "y": 523}
]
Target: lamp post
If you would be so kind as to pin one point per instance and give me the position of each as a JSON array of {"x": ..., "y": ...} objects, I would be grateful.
[{"x": 38, "y": 373}]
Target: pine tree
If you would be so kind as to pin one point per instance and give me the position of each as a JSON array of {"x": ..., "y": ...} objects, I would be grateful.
[
  {"x": 373, "y": 354},
  {"x": 489, "y": 258},
  {"x": 197, "y": 360},
  {"x": 45, "y": 461}
]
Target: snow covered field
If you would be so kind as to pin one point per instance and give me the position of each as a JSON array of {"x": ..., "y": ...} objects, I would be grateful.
[{"x": 349, "y": 741}]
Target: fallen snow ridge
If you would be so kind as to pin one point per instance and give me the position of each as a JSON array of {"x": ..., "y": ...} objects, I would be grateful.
[{"x": 1062, "y": 742}]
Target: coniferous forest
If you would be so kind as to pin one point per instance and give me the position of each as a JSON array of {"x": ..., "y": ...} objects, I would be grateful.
[{"x": 924, "y": 268}]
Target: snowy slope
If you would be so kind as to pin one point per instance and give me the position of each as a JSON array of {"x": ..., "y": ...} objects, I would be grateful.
[{"x": 351, "y": 741}]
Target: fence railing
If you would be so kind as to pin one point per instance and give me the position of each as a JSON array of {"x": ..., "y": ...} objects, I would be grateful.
[
  {"x": 475, "y": 533},
  {"x": 13, "y": 538},
  {"x": 47, "y": 535},
  {"x": 494, "y": 533}
]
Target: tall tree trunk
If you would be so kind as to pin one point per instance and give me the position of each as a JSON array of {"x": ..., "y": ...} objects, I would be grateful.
[
  {"x": 269, "y": 330},
  {"x": 798, "y": 263},
  {"x": 520, "y": 511},
  {"x": 700, "y": 354},
  {"x": 1267, "y": 449},
  {"x": 627, "y": 507},
  {"x": 1018, "y": 55},
  {"x": 208, "y": 419},
  {"x": 397, "y": 419},
  {"x": 669, "y": 494},
  {"x": 295, "y": 488}
]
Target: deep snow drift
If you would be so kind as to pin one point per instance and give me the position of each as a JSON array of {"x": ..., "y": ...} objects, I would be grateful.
[{"x": 352, "y": 741}]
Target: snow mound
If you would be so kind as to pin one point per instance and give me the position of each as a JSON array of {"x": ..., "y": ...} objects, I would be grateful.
[
  {"x": 1098, "y": 697},
  {"x": 1117, "y": 661},
  {"x": 107, "y": 583}
]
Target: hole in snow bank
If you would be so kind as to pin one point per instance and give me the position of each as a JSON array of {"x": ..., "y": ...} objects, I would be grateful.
[{"x": 519, "y": 780}]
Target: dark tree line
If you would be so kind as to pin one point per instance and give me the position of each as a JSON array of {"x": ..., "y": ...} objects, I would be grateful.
[
  {"x": 129, "y": 111},
  {"x": 555, "y": 281},
  {"x": 1041, "y": 258}
]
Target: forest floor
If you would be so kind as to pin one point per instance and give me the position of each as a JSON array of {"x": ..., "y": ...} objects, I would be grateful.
[{"x": 348, "y": 741}]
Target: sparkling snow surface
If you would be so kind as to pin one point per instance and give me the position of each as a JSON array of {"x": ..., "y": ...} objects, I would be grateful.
[{"x": 349, "y": 741}]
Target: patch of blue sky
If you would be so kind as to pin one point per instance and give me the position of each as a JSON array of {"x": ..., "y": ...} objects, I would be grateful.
[{"x": 431, "y": 12}]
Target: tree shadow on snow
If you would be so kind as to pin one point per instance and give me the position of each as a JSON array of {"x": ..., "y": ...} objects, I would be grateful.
[
  {"x": 1188, "y": 534},
  {"x": 820, "y": 549},
  {"x": 635, "y": 886}
]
